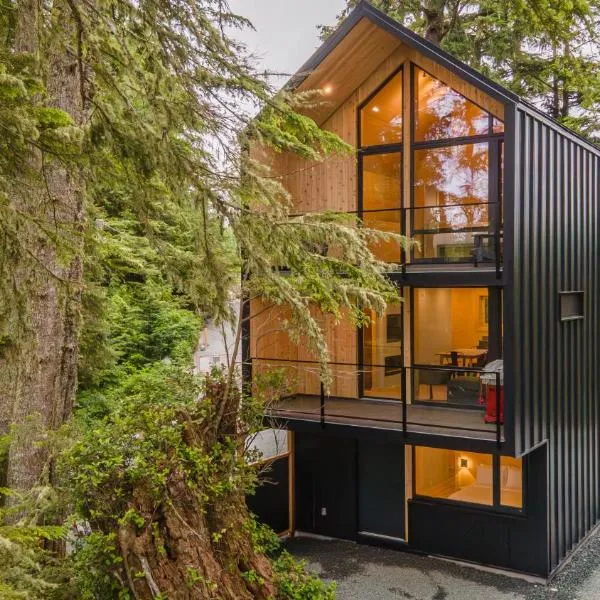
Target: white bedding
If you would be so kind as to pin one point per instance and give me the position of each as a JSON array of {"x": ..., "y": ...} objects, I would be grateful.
[{"x": 482, "y": 494}]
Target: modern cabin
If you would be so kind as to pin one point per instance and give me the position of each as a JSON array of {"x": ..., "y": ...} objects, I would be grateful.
[{"x": 465, "y": 422}]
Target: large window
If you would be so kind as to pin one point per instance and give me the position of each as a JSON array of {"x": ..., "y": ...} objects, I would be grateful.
[
  {"x": 382, "y": 197},
  {"x": 456, "y": 164},
  {"x": 451, "y": 329},
  {"x": 455, "y": 158},
  {"x": 382, "y": 354},
  {"x": 381, "y": 115},
  {"x": 381, "y": 165},
  {"x": 469, "y": 477}
]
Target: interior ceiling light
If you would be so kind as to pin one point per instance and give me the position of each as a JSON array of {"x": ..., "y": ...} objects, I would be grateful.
[
  {"x": 327, "y": 90},
  {"x": 375, "y": 109}
]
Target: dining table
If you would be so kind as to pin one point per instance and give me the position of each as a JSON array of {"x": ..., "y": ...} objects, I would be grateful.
[{"x": 468, "y": 356}]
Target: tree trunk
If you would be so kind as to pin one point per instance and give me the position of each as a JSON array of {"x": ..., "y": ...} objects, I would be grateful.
[
  {"x": 188, "y": 551},
  {"x": 435, "y": 25},
  {"x": 195, "y": 545},
  {"x": 39, "y": 370}
]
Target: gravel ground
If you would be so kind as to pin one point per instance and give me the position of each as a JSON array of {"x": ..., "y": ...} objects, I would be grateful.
[{"x": 371, "y": 573}]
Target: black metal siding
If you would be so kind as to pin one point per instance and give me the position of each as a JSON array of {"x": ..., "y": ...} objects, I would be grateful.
[
  {"x": 511, "y": 541},
  {"x": 551, "y": 366}
]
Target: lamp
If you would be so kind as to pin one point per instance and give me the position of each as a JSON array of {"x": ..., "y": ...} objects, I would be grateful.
[{"x": 463, "y": 463}]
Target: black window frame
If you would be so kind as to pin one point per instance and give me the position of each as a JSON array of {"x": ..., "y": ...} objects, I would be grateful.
[
  {"x": 363, "y": 151},
  {"x": 495, "y": 338},
  {"x": 496, "y": 506},
  {"x": 494, "y": 142}
]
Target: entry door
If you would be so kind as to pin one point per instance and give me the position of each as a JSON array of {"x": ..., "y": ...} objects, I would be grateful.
[
  {"x": 326, "y": 485},
  {"x": 381, "y": 489}
]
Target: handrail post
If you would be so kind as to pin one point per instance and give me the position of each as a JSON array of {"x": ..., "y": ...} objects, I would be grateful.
[
  {"x": 498, "y": 404},
  {"x": 403, "y": 397},
  {"x": 403, "y": 228},
  {"x": 497, "y": 243},
  {"x": 322, "y": 406}
]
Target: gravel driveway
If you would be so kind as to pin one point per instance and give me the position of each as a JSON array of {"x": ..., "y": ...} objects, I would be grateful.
[{"x": 371, "y": 573}]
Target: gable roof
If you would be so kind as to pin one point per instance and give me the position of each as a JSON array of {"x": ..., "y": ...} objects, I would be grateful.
[{"x": 395, "y": 30}]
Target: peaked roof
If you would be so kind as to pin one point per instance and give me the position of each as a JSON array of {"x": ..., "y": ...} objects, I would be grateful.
[{"x": 364, "y": 10}]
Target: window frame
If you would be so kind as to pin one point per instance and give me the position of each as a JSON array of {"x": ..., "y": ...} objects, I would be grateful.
[
  {"x": 494, "y": 142},
  {"x": 359, "y": 145},
  {"x": 494, "y": 336},
  {"x": 397, "y": 147},
  {"x": 361, "y": 360},
  {"x": 496, "y": 506}
]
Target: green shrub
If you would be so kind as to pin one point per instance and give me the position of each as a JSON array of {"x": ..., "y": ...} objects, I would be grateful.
[{"x": 294, "y": 582}]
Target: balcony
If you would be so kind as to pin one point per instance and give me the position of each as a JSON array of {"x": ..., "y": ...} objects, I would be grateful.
[
  {"x": 414, "y": 401},
  {"x": 455, "y": 236}
]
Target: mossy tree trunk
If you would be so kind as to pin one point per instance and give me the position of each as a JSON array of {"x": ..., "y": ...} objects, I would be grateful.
[
  {"x": 195, "y": 544},
  {"x": 38, "y": 371}
]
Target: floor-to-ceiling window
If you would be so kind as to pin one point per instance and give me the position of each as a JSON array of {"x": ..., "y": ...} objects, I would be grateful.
[
  {"x": 382, "y": 354},
  {"x": 380, "y": 165},
  {"x": 456, "y": 150},
  {"x": 455, "y": 332}
]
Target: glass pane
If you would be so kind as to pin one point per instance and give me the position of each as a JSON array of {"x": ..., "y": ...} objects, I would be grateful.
[
  {"x": 382, "y": 179},
  {"x": 385, "y": 220},
  {"x": 381, "y": 117},
  {"x": 455, "y": 475},
  {"x": 442, "y": 113},
  {"x": 267, "y": 444},
  {"x": 382, "y": 354},
  {"x": 453, "y": 234},
  {"x": 451, "y": 176},
  {"x": 511, "y": 481},
  {"x": 497, "y": 126},
  {"x": 382, "y": 183},
  {"x": 451, "y": 328}
]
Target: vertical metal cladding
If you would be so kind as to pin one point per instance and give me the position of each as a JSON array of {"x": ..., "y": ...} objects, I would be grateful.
[{"x": 553, "y": 183}]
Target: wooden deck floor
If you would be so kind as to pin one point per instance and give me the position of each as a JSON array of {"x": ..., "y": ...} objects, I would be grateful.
[{"x": 385, "y": 414}]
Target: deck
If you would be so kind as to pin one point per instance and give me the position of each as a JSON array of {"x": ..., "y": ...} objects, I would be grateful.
[{"x": 380, "y": 414}]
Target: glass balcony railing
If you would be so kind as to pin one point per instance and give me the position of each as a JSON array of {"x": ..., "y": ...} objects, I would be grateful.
[
  {"x": 467, "y": 233},
  {"x": 448, "y": 400},
  {"x": 456, "y": 233}
]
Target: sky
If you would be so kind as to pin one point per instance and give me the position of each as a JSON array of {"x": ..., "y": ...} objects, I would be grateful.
[{"x": 286, "y": 30}]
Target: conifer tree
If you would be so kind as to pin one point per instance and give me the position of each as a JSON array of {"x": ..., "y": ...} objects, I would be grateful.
[{"x": 128, "y": 203}]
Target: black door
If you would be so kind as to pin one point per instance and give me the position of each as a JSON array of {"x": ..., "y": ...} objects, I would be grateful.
[
  {"x": 270, "y": 501},
  {"x": 381, "y": 507},
  {"x": 326, "y": 485}
]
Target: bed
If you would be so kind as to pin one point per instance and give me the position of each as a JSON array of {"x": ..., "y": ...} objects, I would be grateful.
[{"x": 481, "y": 490}]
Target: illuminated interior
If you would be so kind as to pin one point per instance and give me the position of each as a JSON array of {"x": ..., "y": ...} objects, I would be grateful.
[
  {"x": 381, "y": 117},
  {"x": 449, "y": 216},
  {"x": 511, "y": 481},
  {"x": 442, "y": 113},
  {"x": 454, "y": 475},
  {"x": 451, "y": 329},
  {"x": 382, "y": 354},
  {"x": 448, "y": 320},
  {"x": 382, "y": 190},
  {"x": 467, "y": 476}
]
